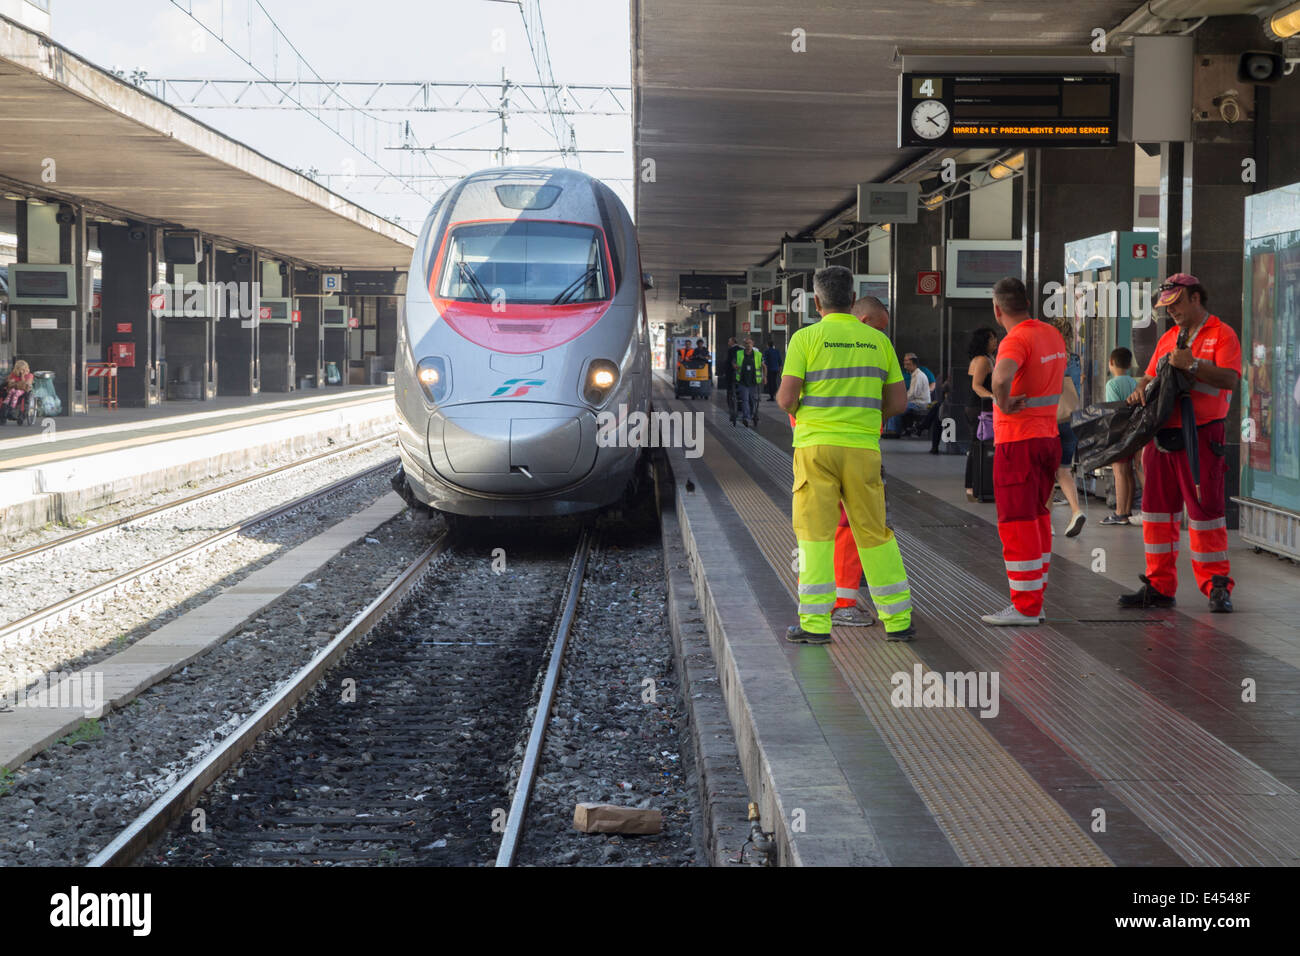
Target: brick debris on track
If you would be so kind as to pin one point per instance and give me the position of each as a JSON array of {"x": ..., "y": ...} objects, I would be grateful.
[
  {"x": 415, "y": 771},
  {"x": 615, "y": 737}
]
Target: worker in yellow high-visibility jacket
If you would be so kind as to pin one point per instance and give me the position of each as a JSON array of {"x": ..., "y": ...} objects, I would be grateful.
[{"x": 840, "y": 378}]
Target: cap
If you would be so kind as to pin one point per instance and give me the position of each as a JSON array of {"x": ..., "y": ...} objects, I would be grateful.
[{"x": 1172, "y": 288}]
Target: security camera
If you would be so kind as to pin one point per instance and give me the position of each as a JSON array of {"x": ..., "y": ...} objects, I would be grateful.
[{"x": 1260, "y": 66}]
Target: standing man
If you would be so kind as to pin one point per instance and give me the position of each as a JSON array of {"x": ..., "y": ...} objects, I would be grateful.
[
  {"x": 749, "y": 380},
  {"x": 848, "y": 566},
  {"x": 840, "y": 376},
  {"x": 772, "y": 359},
  {"x": 1213, "y": 358},
  {"x": 1027, "y": 449},
  {"x": 729, "y": 375}
]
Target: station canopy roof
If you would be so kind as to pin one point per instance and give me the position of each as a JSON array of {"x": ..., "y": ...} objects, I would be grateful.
[
  {"x": 117, "y": 146},
  {"x": 751, "y": 140}
]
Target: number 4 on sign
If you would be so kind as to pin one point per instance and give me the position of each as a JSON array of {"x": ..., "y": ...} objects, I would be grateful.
[{"x": 927, "y": 88}]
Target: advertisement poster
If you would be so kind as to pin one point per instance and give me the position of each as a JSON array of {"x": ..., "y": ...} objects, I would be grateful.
[
  {"x": 1286, "y": 364},
  {"x": 1260, "y": 361}
]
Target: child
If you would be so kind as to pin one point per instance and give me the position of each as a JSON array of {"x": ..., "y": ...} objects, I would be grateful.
[
  {"x": 17, "y": 384},
  {"x": 1118, "y": 388}
]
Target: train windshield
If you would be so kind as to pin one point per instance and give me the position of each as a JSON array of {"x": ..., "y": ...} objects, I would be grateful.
[{"x": 525, "y": 262}]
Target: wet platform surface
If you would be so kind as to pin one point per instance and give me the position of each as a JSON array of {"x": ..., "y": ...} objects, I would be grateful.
[{"x": 1117, "y": 738}]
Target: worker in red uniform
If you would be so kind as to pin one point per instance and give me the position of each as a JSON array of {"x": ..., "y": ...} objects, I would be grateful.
[
  {"x": 1213, "y": 358},
  {"x": 1026, "y": 387}
]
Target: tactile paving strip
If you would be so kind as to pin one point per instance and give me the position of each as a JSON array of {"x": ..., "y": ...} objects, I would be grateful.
[
  {"x": 1210, "y": 803},
  {"x": 991, "y": 810}
]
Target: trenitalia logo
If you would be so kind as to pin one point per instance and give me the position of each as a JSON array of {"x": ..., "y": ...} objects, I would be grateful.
[{"x": 521, "y": 387}]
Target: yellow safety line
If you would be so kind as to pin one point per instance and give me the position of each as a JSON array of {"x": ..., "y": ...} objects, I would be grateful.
[
  {"x": 992, "y": 811},
  {"x": 89, "y": 450}
]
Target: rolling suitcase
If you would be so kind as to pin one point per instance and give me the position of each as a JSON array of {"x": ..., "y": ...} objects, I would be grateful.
[{"x": 983, "y": 473}]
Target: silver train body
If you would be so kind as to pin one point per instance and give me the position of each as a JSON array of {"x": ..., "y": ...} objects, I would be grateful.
[{"x": 524, "y": 322}]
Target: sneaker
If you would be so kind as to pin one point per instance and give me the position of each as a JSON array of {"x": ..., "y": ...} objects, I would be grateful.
[
  {"x": 1076, "y": 524},
  {"x": 1114, "y": 518},
  {"x": 1010, "y": 617},
  {"x": 852, "y": 617},
  {"x": 1220, "y": 596},
  {"x": 797, "y": 635},
  {"x": 906, "y": 634},
  {"x": 1145, "y": 596}
]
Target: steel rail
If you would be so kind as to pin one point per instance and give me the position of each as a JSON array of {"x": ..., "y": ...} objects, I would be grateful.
[
  {"x": 56, "y": 613},
  {"x": 164, "y": 811},
  {"x": 182, "y": 502},
  {"x": 532, "y": 755}
]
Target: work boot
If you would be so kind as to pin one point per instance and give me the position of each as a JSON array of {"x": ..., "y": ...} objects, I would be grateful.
[
  {"x": 1146, "y": 596},
  {"x": 906, "y": 634},
  {"x": 1010, "y": 617},
  {"x": 1220, "y": 599},
  {"x": 852, "y": 617},
  {"x": 797, "y": 635}
]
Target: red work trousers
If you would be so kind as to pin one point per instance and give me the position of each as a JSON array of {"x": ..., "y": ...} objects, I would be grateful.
[
  {"x": 1169, "y": 487},
  {"x": 1023, "y": 474},
  {"x": 848, "y": 566}
]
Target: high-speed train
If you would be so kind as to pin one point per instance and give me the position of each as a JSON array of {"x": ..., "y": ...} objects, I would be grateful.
[{"x": 525, "y": 320}]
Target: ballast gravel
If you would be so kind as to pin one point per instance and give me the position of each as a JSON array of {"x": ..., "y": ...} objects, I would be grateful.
[
  {"x": 618, "y": 732},
  {"x": 32, "y": 583},
  {"x": 64, "y": 804}
]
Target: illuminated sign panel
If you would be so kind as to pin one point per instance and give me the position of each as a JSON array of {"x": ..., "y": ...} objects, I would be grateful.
[{"x": 1008, "y": 110}]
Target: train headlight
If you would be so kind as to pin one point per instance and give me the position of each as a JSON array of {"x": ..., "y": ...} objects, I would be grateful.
[
  {"x": 434, "y": 377},
  {"x": 602, "y": 376}
]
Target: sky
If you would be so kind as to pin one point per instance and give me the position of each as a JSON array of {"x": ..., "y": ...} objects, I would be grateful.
[{"x": 389, "y": 40}]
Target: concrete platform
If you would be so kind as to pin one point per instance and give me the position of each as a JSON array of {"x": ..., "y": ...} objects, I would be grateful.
[
  {"x": 80, "y": 463},
  {"x": 1113, "y": 739},
  {"x": 43, "y": 718}
]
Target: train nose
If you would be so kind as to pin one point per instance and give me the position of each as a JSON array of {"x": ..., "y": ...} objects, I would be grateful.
[{"x": 515, "y": 448}]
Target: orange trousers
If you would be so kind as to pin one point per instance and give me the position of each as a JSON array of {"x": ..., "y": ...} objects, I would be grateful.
[{"x": 848, "y": 566}]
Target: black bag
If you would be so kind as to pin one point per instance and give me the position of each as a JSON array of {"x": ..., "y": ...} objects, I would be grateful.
[
  {"x": 982, "y": 473},
  {"x": 1167, "y": 393},
  {"x": 1097, "y": 427}
]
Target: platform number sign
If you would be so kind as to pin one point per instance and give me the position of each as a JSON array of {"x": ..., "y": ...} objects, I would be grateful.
[{"x": 331, "y": 282}]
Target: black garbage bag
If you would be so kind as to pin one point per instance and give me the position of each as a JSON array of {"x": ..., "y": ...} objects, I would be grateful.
[
  {"x": 1097, "y": 427},
  {"x": 1118, "y": 430}
]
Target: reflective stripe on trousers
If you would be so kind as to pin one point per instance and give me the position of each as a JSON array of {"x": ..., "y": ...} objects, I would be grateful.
[
  {"x": 1170, "y": 486},
  {"x": 825, "y": 475}
]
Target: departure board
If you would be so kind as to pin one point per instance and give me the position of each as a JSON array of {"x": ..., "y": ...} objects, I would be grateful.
[{"x": 1008, "y": 109}]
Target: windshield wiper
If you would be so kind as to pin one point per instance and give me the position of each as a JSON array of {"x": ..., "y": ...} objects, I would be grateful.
[
  {"x": 575, "y": 285},
  {"x": 468, "y": 277}
]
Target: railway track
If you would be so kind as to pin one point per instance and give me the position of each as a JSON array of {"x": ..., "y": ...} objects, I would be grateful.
[
  {"x": 403, "y": 729},
  {"x": 88, "y": 599},
  {"x": 118, "y": 524}
]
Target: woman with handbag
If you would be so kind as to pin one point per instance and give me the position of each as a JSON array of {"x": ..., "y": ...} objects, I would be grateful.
[{"x": 979, "y": 407}]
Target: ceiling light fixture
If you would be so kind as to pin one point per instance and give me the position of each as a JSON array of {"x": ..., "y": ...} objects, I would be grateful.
[{"x": 1285, "y": 23}]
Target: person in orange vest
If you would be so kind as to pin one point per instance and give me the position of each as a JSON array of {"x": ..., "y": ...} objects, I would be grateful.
[
  {"x": 1027, "y": 381},
  {"x": 1213, "y": 358}
]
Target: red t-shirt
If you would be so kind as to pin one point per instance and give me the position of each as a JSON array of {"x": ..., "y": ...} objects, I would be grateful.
[
  {"x": 1039, "y": 352},
  {"x": 1215, "y": 344}
]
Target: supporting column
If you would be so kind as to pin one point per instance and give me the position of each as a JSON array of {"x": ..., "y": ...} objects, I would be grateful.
[
  {"x": 309, "y": 345},
  {"x": 276, "y": 345},
  {"x": 237, "y": 334},
  {"x": 129, "y": 322}
]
